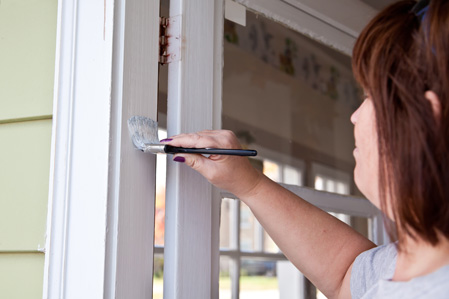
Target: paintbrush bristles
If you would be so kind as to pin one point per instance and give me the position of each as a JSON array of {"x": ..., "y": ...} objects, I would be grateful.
[{"x": 143, "y": 131}]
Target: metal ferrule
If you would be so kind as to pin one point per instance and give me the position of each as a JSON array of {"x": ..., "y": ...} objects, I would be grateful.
[{"x": 155, "y": 149}]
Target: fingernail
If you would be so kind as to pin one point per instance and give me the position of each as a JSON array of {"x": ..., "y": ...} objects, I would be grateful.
[
  {"x": 179, "y": 159},
  {"x": 166, "y": 140}
]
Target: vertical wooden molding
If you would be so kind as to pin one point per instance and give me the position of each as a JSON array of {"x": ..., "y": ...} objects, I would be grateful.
[
  {"x": 235, "y": 263},
  {"x": 217, "y": 124},
  {"x": 194, "y": 103},
  {"x": 129, "y": 266},
  {"x": 101, "y": 198},
  {"x": 76, "y": 231}
]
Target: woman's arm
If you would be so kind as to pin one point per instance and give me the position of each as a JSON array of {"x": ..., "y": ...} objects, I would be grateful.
[
  {"x": 322, "y": 247},
  {"x": 319, "y": 245}
]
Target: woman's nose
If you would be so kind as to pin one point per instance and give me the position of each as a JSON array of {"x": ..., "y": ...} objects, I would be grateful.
[{"x": 355, "y": 116}]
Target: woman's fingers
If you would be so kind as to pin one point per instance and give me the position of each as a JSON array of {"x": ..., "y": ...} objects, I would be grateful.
[
  {"x": 231, "y": 173},
  {"x": 196, "y": 162}
]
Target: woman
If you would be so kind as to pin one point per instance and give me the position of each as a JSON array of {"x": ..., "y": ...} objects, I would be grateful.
[{"x": 402, "y": 166}]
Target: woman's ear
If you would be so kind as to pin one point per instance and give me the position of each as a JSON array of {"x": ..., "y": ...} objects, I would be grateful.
[{"x": 434, "y": 103}]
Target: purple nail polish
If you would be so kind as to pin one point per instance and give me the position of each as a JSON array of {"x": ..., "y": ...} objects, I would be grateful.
[
  {"x": 179, "y": 159},
  {"x": 166, "y": 140}
]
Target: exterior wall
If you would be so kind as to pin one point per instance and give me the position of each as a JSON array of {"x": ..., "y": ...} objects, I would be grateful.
[{"x": 27, "y": 55}]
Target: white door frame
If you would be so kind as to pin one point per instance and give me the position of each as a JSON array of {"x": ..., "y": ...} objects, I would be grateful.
[
  {"x": 191, "y": 255},
  {"x": 101, "y": 196}
]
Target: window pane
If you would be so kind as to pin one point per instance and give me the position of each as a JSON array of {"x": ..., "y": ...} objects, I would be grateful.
[
  {"x": 225, "y": 278},
  {"x": 250, "y": 230},
  {"x": 290, "y": 97},
  {"x": 161, "y": 171},
  {"x": 158, "y": 278},
  {"x": 319, "y": 183},
  {"x": 225, "y": 223},
  {"x": 272, "y": 170},
  {"x": 342, "y": 188},
  {"x": 286, "y": 94},
  {"x": 292, "y": 176},
  {"x": 258, "y": 279},
  {"x": 269, "y": 245},
  {"x": 330, "y": 186},
  {"x": 331, "y": 179}
]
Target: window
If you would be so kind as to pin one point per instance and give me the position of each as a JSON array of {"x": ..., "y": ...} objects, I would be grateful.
[
  {"x": 303, "y": 143},
  {"x": 332, "y": 180},
  {"x": 291, "y": 99},
  {"x": 249, "y": 258}
]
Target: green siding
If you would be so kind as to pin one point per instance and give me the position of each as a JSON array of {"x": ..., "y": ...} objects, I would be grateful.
[
  {"x": 18, "y": 275},
  {"x": 25, "y": 160},
  {"x": 27, "y": 55}
]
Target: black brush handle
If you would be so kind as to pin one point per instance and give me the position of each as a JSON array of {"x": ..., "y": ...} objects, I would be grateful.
[{"x": 209, "y": 151}]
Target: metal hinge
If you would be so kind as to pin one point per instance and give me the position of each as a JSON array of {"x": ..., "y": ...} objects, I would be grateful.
[{"x": 169, "y": 39}]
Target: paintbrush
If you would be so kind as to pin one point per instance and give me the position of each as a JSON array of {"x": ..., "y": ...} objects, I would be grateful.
[{"x": 144, "y": 135}]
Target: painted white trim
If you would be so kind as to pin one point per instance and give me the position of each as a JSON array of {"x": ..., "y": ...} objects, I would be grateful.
[
  {"x": 131, "y": 203},
  {"x": 330, "y": 202},
  {"x": 77, "y": 141},
  {"x": 337, "y": 203},
  {"x": 235, "y": 262},
  {"x": 101, "y": 194},
  {"x": 337, "y": 28},
  {"x": 235, "y": 12},
  {"x": 253, "y": 254},
  {"x": 191, "y": 255},
  {"x": 337, "y": 13}
]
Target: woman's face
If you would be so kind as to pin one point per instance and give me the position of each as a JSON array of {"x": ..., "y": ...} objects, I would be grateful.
[{"x": 366, "y": 172}]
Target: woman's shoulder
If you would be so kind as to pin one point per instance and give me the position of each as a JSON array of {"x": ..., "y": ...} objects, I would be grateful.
[
  {"x": 371, "y": 266},
  {"x": 372, "y": 272},
  {"x": 379, "y": 262},
  {"x": 433, "y": 285}
]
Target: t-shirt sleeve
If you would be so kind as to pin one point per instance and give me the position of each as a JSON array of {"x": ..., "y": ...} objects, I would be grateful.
[{"x": 371, "y": 266}]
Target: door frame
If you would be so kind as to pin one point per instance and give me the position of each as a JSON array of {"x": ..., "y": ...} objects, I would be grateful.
[
  {"x": 101, "y": 196},
  {"x": 192, "y": 209}
]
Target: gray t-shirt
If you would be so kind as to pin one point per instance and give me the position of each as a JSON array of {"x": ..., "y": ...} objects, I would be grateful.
[{"x": 373, "y": 270}]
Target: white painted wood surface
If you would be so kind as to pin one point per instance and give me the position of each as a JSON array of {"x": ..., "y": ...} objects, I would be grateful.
[
  {"x": 349, "y": 16},
  {"x": 194, "y": 103},
  {"x": 132, "y": 181},
  {"x": 290, "y": 281},
  {"x": 335, "y": 23},
  {"x": 235, "y": 263},
  {"x": 337, "y": 203},
  {"x": 101, "y": 197}
]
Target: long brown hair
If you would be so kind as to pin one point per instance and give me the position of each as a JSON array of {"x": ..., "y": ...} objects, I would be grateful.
[{"x": 396, "y": 59}]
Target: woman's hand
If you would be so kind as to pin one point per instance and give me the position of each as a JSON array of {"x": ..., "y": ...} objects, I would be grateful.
[{"x": 232, "y": 173}]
